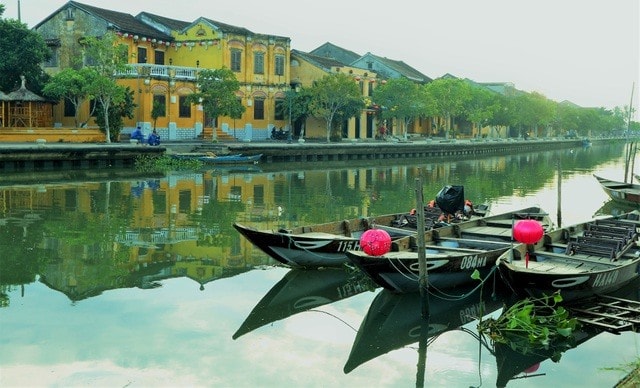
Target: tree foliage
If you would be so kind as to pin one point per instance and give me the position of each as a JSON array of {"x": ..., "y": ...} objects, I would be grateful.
[
  {"x": 117, "y": 112},
  {"x": 450, "y": 96},
  {"x": 335, "y": 97},
  {"x": 71, "y": 86},
  {"x": 23, "y": 51},
  {"x": 217, "y": 93},
  {"x": 404, "y": 101},
  {"x": 107, "y": 60}
]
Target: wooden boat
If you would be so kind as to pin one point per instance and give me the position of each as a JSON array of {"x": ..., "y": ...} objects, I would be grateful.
[
  {"x": 620, "y": 191},
  {"x": 594, "y": 257},
  {"x": 299, "y": 291},
  {"x": 221, "y": 159},
  {"x": 325, "y": 245},
  {"x": 452, "y": 252},
  {"x": 394, "y": 321}
]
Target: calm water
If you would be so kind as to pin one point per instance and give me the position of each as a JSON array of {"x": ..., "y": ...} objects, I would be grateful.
[{"x": 143, "y": 281}]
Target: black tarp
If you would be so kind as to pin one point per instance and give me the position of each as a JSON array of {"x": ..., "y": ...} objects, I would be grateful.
[{"x": 451, "y": 199}]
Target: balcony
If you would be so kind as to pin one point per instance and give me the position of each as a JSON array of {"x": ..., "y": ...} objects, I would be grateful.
[{"x": 144, "y": 70}]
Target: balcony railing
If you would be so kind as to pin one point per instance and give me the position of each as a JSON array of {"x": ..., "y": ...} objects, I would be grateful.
[{"x": 144, "y": 70}]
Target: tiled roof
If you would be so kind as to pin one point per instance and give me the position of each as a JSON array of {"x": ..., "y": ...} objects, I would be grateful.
[
  {"x": 119, "y": 21},
  {"x": 173, "y": 24},
  {"x": 229, "y": 28},
  {"x": 403, "y": 69},
  {"x": 322, "y": 62},
  {"x": 330, "y": 50}
]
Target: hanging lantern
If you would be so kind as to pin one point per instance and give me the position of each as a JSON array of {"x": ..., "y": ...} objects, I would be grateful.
[
  {"x": 375, "y": 242},
  {"x": 528, "y": 232}
]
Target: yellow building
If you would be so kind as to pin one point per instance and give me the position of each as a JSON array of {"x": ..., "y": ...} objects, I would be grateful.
[{"x": 164, "y": 58}]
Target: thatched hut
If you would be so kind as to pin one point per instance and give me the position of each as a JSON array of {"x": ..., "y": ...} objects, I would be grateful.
[{"x": 27, "y": 109}]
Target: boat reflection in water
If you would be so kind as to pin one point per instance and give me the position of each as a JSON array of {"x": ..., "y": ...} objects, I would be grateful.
[
  {"x": 394, "y": 320},
  {"x": 303, "y": 290},
  {"x": 525, "y": 363}
]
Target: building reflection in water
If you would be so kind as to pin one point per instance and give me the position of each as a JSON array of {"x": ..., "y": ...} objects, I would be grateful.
[{"x": 83, "y": 238}]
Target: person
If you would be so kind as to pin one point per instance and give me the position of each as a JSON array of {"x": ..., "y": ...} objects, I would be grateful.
[
  {"x": 137, "y": 135},
  {"x": 468, "y": 208},
  {"x": 154, "y": 138}
]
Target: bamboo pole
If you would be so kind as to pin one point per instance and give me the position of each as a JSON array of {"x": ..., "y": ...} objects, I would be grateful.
[{"x": 422, "y": 259}]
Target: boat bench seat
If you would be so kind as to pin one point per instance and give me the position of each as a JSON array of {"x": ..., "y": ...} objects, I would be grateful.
[
  {"x": 614, "y": 243},
  {"x": 575, "y": 247},
  {"x": 611, "y": 226}
]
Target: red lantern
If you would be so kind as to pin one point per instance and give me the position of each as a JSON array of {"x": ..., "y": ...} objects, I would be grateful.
[
  {"x": 375, "y": 242},
  {"x": 528, "y": 232}
]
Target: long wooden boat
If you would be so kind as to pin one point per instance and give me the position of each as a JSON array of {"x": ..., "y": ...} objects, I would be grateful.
[
  {"x": 394, "y": 321},
  {"x": 452, "y": 253},
  {"x": 299, "y": 291},
  {"x": 593, "y": 257},
  {"x": 628, "y": 193},
  {"x": 325, "y": 245}
]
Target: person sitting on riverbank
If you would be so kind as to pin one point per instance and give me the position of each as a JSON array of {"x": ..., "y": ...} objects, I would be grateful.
[
  {"x": 137, "y": 135},
  {"x": 154, "y": 138}
]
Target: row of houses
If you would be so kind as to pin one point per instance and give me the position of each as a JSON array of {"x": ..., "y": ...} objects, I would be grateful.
[{"x": 165, "y": 55}]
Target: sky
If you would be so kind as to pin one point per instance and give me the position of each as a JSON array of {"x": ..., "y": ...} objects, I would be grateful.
[{"x": 583, "y": 51}]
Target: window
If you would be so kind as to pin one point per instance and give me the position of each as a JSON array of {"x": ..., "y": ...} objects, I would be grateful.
[
  {"x": 53, "y": 60},
  {"x": 142, "y": 55},
  {"x": 279, "y": 64},
  {"x": 185, "y": 107},
  {"x": 258, "y": 109},
  {"x": 258, "y": 63},
  {"x": 69, "y": 108},
  {"x": 236, "y": 60},
  {"x": 158, "y": 57},
  {"x": 280, "y": 108},
  {"x": 161, "y": 100},
  {"x": 258, "y": 195}
]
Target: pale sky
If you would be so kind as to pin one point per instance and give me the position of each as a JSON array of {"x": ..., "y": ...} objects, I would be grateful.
[{"x": 584, "y": 51}]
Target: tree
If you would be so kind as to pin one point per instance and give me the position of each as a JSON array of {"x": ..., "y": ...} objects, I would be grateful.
[
  {"x": 335, "y": 96},
  {"x": 71, "y": 86},
  {"x": 157, "y": 110},
  {"x": 23, "y": 51},
  {"x": 402, "y": 100},
  {"x": 108, "y": 59},
  {"x": 217, "y": 94},
  {"x": 117, "y": 112},
  {"x": 450, "y": 96},
  {"x": 481, "y": 106}
]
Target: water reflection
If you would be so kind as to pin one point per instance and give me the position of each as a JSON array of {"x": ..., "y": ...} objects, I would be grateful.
[
  {"x": 186, "y": 282},
  {"x": 303, "y": 290},
  {"x": 516, "y": 364},
  {"x": 395, "y": 320}
]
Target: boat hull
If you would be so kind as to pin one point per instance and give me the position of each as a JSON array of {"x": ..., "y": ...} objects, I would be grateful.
[
  {"x": 579, "y": 261},
  {"x": 401, "y": 273},
  {"x": 627, "y": 193}
]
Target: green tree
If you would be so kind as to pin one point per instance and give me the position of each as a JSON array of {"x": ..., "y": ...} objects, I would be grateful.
[
  {"x": 71, "y": 86},
  {"x": 450, "y": 96},
  {"x": 108, "y": 60},
  {"x": 22, "y": 52},
  {"x": 117, "y": 113},
  {"x": 157, "y": 110},
  {"x": 217, "y": 93},
  {"x": 335, "y": 97},
  {"x": 402, "y": 100},
  {"x": 481, "y": 106}
]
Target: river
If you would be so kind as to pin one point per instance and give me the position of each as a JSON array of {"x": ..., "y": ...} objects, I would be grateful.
[{"x": 142, "y": 281}]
